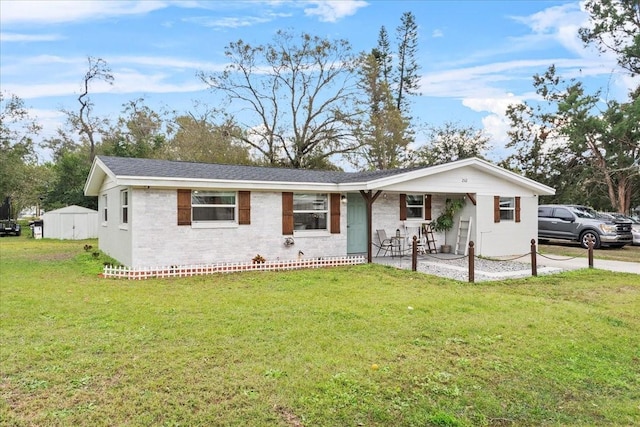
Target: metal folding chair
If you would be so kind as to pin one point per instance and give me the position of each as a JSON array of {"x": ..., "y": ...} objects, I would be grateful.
[{"x": 387, "y": 244}]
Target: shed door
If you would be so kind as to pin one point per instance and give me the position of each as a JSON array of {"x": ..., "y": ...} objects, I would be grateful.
[
  {"x": 68, "y": 226},
  {"x": 356, "y": 224}
]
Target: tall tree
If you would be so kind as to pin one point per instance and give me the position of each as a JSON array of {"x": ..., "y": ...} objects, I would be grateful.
[
  {"x": 451, "y": 142},
  {"x": 385, "y": 133},
  {"x": 407, "y": 78},
  {"x": 615, "y": 27},
  {"x": 199, "y": 137},
  {"x": 17, "y": 153},
  {"x": 529, "y": 132},
  {"x": 139, "y": 132},
  {"x": 601, "y": 143},
  {"x": 384, "y": 56},
  {"x": 66, "y": 188},
  {"x": 294, "y": 97},
  {"x": 83, "y": 120},
  {"x": 542, "y": 154}
]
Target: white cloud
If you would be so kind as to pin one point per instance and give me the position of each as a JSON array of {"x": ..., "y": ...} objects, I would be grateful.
[
  {"x": 128, "y": 81},
  {"x": 48, "y": 11},
  {"x": 491, "y": 79},
  {"x": 164, "y": 63},
  {"x": 560, "y": 24},
  {"x": 482, "y": 80},
  {"x": 31, "y": 90},
  {"x": 551, "y": 18},
  {"x": 495, "y": 105},
  {"x": 437, "y": 33},
  {"x": 333, "y": 10},
  {"x": 229, "y": 22},
  {"x": 550, "y": 28},
  {"x": 496, "y": 126},
  {"x": 132, "y": 81},
  {"x": 16, "y": 37},
  {"x": 51, "y": 76}
]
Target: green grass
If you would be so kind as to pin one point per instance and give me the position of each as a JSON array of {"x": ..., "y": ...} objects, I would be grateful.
[
  {"x": 561, "y": 247},
  {"x": 297, "y": 348}
]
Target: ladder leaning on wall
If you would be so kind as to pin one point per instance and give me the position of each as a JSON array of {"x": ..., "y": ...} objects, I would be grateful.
[{"x": 464, "y": 234}]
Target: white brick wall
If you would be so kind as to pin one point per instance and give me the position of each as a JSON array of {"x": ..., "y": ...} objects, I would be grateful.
[
  {"x": 158, "y": 240},
  {"x": 153, "y": 237}
]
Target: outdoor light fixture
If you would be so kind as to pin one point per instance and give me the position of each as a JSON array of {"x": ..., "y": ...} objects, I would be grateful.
[{"x": 343, "y": 198}]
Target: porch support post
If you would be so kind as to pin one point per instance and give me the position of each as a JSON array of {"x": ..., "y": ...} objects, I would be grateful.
[{"x": 369, "y": 198}]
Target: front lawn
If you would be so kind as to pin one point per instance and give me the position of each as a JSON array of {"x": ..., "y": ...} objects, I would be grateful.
[
  {"x": 626, "y": 253},
  {"x": 365, "y": 345}
]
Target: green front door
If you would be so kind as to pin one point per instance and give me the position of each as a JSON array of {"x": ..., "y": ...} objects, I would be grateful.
[{"x": 356, "y": 224}]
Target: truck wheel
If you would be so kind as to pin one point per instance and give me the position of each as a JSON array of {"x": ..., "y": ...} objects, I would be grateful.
[{"x": 587, "y": 236}]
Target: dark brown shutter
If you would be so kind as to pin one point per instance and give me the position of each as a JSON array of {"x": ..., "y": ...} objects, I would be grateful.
[
  {"x": 184, "y": 207},
  {"x": 244, "y": 207},
  {"x": 335, "y": 213},
  {"x": 496, "y": 208},
  {"x": 287, "y": 213},
  {"x": 403, "y": 207},
  {"x": 427, "y": 206},
  {"x": 517, "y": 209}
]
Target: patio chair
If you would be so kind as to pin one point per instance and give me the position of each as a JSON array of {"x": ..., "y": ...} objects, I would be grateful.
[
  {"x": 387, "y": 244},
  {"x": 422, "y": 241}
]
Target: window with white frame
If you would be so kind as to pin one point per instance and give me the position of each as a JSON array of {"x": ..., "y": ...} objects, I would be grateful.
[
  {"x": 104, "y": 208},
  {"x": 209, "y": 206},
  {"x": 124, "y": 207},
  {"x": 507, "y": 208},
  {"x": 310, "y": 211},
  {"x": 415, "y": 206}
]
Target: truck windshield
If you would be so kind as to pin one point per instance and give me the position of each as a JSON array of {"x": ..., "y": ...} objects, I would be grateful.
[{"x": 584, "y": 212}]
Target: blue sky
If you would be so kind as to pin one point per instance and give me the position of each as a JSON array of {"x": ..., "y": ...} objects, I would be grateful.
[{"x": 476, "y": 57}]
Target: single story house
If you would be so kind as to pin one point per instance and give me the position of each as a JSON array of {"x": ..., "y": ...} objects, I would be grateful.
[
  {"x": 156, "y": 213},
  {"x": 70, "y": 223}
]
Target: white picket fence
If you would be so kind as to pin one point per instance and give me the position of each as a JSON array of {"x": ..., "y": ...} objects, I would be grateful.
[{"x": 121, "y": 272}]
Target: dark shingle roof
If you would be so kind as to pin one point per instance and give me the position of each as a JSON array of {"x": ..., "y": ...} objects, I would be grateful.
[{"x": 134, "y": 167}]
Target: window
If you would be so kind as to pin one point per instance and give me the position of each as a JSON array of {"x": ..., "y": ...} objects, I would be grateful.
[
  {"x": 124, "y": 207},
  {"x": 545, "y": 212},
  {"x": 507, "y": 208},
  {"x": 562, "y": 213},
  {"x": 584, "y": 212},
  {"x": 104, "y": 208},
  {"x": 310, "y": 211},
  {"x": 213, "y": 206},
  {"x": 415, "y": 206}
]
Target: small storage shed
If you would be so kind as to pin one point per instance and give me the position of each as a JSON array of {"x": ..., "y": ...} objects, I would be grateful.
[{"x": 70, "y": 223}]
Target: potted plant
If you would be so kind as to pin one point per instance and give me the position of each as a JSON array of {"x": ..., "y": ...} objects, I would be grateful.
[{"x": 444, "y": 222}]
